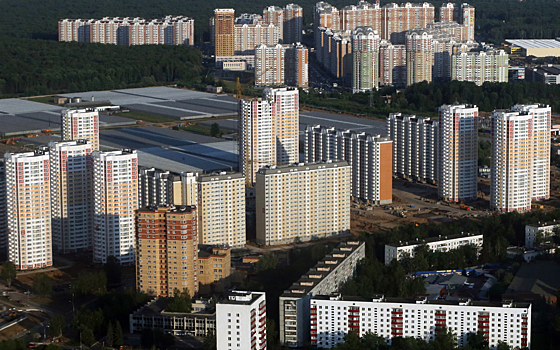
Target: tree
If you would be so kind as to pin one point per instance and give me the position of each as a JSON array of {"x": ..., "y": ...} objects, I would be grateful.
[
  {"x": 181, "y": 302},
  {"x": 87, "y": 336},
  {"x": 215, "y": 130},
  {"x": 210, "y": 342},
  {"x": 57, "y": 325},
  {"x": 267, "y": 261},
  {"x": 118, "y": 337},
  {"x": 9, "y": 272},
  {"x": 113, "y": 271},
  {"x": 90, "y": 283},
  {"x": 477, "y": 341},
  {"x": 109, "y": 339},
  {"x": 42, "y": 284},
  {"x": 502, "y": 346}
]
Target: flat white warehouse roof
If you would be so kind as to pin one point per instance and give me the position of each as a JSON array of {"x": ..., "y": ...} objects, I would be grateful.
[{"x": 535, "y": 43}]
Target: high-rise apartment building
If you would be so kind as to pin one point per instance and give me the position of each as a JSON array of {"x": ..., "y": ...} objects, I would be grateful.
[
  {"x": 458, "y": 147},
  {"x": 332, "y": 317},
  {"x": 3, "y": 213},
  {"x": 419, "y": 56},
  {"x": 224, "y": 33},
  {"x": 189, "y": 189},
  {"x": 115, "y": 184},
  {"x": 415, "y": 146},
  {"x": 467, "y": 19},
  {"x": 279, "y": 65},
  {"x": 369, "y": 156},
  {"x": 250, "y": 34},
  {"x": 363, "y": 14},
  {"x": 338, "y": 57},
  {"x": 480, "y": 66},
  {"x": 268, "y": 130},
  {"x": 293, "y": 23},
  {"x": 28, "y": 195},
  {"x": 458, "y": 31},
  {"x": 158, "y": 187},
  {"x": 520, "y": 157},
  {"x": 81, "y": 124},
  {"x": 170, "y": 30},
  {"x": 396, "y": 20},
  {"x": 221, "y": 209},
  {"x": 365, "y": 59},
  {"x": 71, "y": 173},
  {"x": 242, "y": 321},
  {"x": 302, "y": 202},
  {"x": 167, "y": 250},
  {"x": 447, "y": 12},
  {"x": 392, "y": 64},
  {"x": 324, "y": 16},
  {"x": 275, "y": 15}
]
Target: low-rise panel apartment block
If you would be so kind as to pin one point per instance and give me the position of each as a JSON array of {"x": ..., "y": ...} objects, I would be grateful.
[
  {"x": 332, "y": 317},
  {"x": 435, "y": 244},
  {"x": 415, "y": 146},
  {"x": 536, "y": 233},
  {"x": 214, "y": 268},
  {"x": 302, "y": 202},
  {"x": 369, "y": 156},
  {"x": 326, "y": 277}
]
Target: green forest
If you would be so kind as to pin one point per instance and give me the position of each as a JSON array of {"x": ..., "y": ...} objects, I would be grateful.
[{"x": 425, "y": 98}]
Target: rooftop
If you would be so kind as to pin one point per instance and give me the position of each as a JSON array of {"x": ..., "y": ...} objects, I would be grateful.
[
  {"x": 242, "y": 297},
  {"x": 307, "y": 282},
  {"x": 283, "y": 169},
  {"x": 544, "y": 224},
  {"x": 542, "y": 278},
  {"x": 535, "y": 43},
  {"x": 157, "y": 306},
  {"x": 423, "y": 300},
  {"x": 434, "y": 239},
  {"x": 554, "y": 70}
]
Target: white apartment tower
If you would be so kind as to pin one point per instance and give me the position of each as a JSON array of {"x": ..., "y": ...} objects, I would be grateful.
[
  {"x": 241, "y": 321},
  {"x": 221, "y": 209},
  {"x": 28, "y": 195},
  {"x": 520, "y": 157},
  {"x": 268, "y": 130},
  {"x": 480, "y": 66},
  {"x": 302, "y": 202},
  {"x": 81, "y": 124},
  {"x": 415, "y": 146},
  {"x": 365, "y": 59},
  {"x": 458, "y": 147},
  {"x": 115, "y": 178},
  {"x": 369, "y": 157},
  {"x": 71, "y": 168},
  {"x": 419, "y": 56}
]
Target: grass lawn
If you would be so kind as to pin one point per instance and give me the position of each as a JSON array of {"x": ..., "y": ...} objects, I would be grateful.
[
  {"x": 200, "y": 129},
  {"x": 43, "y": 99},
  {"x": 147, "y": 117}
]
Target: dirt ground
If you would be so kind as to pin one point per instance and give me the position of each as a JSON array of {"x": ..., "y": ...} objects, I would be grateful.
[{"x": 33, "y": 319}]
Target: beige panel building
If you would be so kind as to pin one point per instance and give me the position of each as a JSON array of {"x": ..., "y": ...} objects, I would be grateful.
[
  {"x": 224, "y": 35},
  {"x": 189, "y": 189},
  {"x": 275, "y": 15},
  {"x": 115, "y": 184},
  {"x": 397, "y": 19},
  {"x": 221, "y": 209},
  {"x": 71, "y": 168},
  {"x": 214, "y": 268},
  {"x": 392, "y": 64},
  {"x": 303, "y": 202},
  {"x": 419, "y": 56},
  {"x": 166, "y": 250},
  {"x": 363, "y": 14},
  {"x": 28, "y": 195},
  {"x": 81, "y": 124}
]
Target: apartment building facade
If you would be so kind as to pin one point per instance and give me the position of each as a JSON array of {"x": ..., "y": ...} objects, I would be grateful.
[
  {"x": 214, "y": 268},
  {"x": 302, "y": 202},
  {"x": 268, "y": 130},
  {"x": 397, "y": 19},
  {"x": 224, "y": 32},
  {"x": 365, "y": 59},
  {"x": 520, "y": 138},
  {"x": 326, "y": 277},
  {"x": 435, "y": 244},
  {"x": 115, "y": 184},
  {"x": 458, "y": 145},
  {"x": 480, "y": 66},
  {"x": 415, "y": 147},
  {"x": 242, "y": 321},
  {"x": 158, "y": 187},
  {"x": 392, "y": 64},
  {"x": 536, "y": 233},
  {"x": 169, "y": 30},
  {"x": 369, "y": 156},
  {"x": 270, "y": 65},
  {"x": 332, "y": 317},
  {"x": 71, "y": 174},
  {"x": 80, "y": 124},
  {"x": 28, "y": 195},
  {"x": 167, "y": 250},
  {"x": 363, "y": 14},
  {"x": 221, "y": 209},
  {"x": 293, "y": 24},
  {"x": 250, "y": 35},
  {"x": 3, "y": 213},
  {"x": 419, "y": 56}
]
